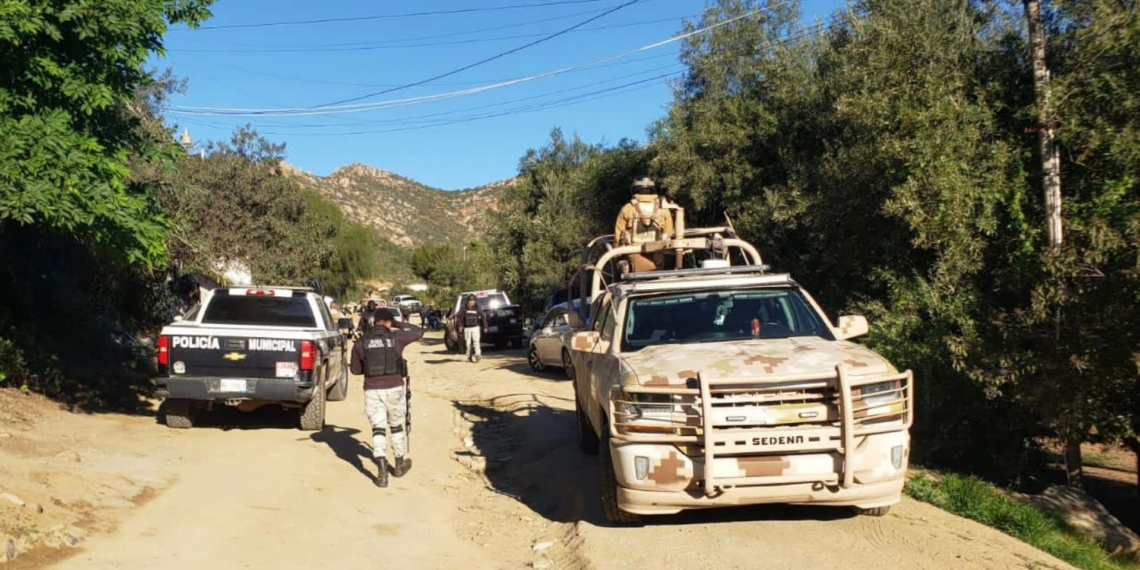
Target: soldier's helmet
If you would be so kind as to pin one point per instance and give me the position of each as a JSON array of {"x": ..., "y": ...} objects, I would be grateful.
[{"x": 643, "y": 185}]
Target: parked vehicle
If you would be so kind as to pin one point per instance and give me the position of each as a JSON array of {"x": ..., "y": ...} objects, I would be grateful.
[
  {"x": 504, "y": 320},
  {"x": 249, "y": 347},
  {"x": 551, "y": 336},
  {"x": 716, "y": 384}
]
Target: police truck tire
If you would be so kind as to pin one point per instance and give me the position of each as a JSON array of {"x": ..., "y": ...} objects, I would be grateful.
[
  {"x": 609, "y": 486},
  {"x": 178, "y": 414},
  {"x": 500, "y": 344},
  {"x": 516, "y": 343},
  {"x": 587, "y": 439},
  {"x": 313, "y": 414},
  {"x": 339, "y": 391},
  {"x": 448, "y": 343}
]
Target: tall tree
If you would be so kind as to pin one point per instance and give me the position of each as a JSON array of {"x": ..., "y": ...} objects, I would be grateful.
[{"x": 69, "y": 67}]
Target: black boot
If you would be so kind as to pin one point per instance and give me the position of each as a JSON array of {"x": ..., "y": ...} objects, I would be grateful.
[
  {"x": 403, "y": 464},
  {"x": 382, "y": 471}
]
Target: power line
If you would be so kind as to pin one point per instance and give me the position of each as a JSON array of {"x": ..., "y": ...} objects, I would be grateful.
[
  {"x": 419, "y": 38},
  {"x": 303, "y": 111},
  {"x": 397, "y": 16},
  {"x": 226, "y": 64},
  {"x": 482, "y": 61},
  {"x": 415, "y": 118},
  {"x": 576, "y": 99},
  {"x": 393, "y": 44},
  {"x": 419, "y": 123}
]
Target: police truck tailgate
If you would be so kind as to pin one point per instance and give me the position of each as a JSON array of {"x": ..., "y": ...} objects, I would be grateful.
[{"x": 236, "y": 356}]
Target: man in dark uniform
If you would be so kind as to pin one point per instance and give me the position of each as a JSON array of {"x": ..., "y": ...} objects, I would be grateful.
[
  {"x": 378, "y": 355},
  {"x": 471, "y": 321},
  {"x": 366, "y": 318}
]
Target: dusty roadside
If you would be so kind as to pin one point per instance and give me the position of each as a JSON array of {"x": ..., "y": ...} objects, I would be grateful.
[{"x": 497, "y": 483}]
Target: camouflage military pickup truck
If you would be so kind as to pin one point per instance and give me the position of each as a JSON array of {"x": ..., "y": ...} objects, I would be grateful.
[{"x": 719, "y": 383}]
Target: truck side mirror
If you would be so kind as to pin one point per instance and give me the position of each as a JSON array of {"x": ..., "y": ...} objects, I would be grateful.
[
  {"x": 851, "y": 326},
  {"x": 585, "y": 341},
  {"x": 177, "y": 318}
]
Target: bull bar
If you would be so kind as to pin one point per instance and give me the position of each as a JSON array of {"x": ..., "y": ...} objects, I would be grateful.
[{"x": 855, "y": 418}]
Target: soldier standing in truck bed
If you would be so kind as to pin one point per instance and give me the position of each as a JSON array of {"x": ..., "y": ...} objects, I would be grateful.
[{"x": 643, "y": 219}]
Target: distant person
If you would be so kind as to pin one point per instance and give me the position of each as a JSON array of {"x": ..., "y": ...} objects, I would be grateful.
[
  {"x": 379, "y": 356},
  {"x": 643, "y": 219},
  {"x": 472, "y": 322},
  {"x": 366, "y": 317}
]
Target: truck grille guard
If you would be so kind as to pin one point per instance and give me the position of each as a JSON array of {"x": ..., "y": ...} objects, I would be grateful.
[{"x": 689, "y": 415}]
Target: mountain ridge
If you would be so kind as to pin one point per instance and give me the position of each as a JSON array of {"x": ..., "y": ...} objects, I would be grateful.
[{"x": 404, "y": 211}]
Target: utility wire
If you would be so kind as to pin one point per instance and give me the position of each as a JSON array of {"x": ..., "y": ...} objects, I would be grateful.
[
  {"x": 315, "y": 47},
  {"x": 418, "y": 122},
  {"x": 397, "y": 16},
  {"x": 226, "y": 64},
  {"x": 392, "y": 44},
  {"x": 415, "y": 118},
  {"x": 482, "y": 61},
  {"x": 577, "y": 99},
  {"x": 303, "y": 111}
]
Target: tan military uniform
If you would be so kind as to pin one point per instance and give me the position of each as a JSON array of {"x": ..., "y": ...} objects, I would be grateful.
[{"x": 643, "y": 220}]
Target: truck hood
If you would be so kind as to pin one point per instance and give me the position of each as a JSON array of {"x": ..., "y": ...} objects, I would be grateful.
[{"x": 674, "y": 364}]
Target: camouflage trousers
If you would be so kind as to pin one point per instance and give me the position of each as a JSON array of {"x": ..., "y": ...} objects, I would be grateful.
[{"x": 386, "y": 409}]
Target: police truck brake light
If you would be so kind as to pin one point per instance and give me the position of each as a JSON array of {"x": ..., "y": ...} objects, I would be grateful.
[
  {"x": 164, "y": 350},
  {"x": 265, "y": 292},
  {"x": 309, "y": 354}
]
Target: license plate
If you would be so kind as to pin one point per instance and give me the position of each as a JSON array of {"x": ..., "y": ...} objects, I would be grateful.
[
  {"x": 286, "y": 369},
  {"x": 492, "y": 329},
  {"x": 232, "y": 385}
]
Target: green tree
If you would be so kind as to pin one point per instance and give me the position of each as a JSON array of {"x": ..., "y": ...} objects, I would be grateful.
[{"x": 70, "y": 67}]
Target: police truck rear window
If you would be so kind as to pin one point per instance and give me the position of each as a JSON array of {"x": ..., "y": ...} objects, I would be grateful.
[{"x": 260, "y": 311}]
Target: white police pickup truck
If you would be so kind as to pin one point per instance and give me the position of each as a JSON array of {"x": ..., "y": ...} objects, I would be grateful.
[{"x": 248, "y": 347}]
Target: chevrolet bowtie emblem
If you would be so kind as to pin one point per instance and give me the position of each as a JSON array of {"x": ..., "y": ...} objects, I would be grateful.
[{"x": 234, "y": 356}]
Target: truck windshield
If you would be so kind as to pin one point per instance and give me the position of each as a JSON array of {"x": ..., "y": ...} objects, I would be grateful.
[
  {"x": 718, "y": 316},
  {"x": 259, "y": 311},
  {"x": 492, "y": 301}
]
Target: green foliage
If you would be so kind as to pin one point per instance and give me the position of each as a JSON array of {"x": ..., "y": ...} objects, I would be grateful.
[
  {"x": 236, "y": 205},
  {"x": 889, "y": 164},
  {"x": 449, "y": 271},
  {"x": 569, "y": 193},
  {"x": 69, "y": 68},
  {"x": 977, "y": 500}
]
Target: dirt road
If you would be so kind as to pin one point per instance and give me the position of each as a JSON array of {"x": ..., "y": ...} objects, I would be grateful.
[{"x": 497, "y": 483}]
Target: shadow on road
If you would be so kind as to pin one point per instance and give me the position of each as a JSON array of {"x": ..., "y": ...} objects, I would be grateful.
[
  {"x": 227, "y": 418},
  {"x": 343, "y": 443},
  {"x": 532, "y": 456}
]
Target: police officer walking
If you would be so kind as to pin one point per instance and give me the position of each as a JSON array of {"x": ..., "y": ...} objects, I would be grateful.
[
  {"x": 378, "y": 355},
  {"x": 471, "y": 322}
]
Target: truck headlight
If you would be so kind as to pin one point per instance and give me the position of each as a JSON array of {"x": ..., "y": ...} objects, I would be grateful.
[{"x": 879, "y": 393}]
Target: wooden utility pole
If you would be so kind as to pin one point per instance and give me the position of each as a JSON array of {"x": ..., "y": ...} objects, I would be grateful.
[{"x": 1051, "y": 183}]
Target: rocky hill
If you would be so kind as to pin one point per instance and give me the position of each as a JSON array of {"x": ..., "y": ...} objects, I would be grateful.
[{"x": 403, "y": 211}]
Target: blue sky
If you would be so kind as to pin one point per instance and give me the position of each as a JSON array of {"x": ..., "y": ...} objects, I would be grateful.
[{"x": 461, "y": 141}]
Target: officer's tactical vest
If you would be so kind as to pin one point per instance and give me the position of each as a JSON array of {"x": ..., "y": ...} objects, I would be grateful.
[
  {"x": 647, "y": 224},
  {"x": 470, "y": 317},
  {"x": 380, "y": 356}
]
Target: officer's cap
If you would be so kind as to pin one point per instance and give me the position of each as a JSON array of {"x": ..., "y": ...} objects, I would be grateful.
[{"x": 383, "y": 315}]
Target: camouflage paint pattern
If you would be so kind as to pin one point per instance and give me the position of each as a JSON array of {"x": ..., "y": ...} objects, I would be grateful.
[
  {"x": 673, "y": 365},
  {"x": 777, "y": 436}
]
